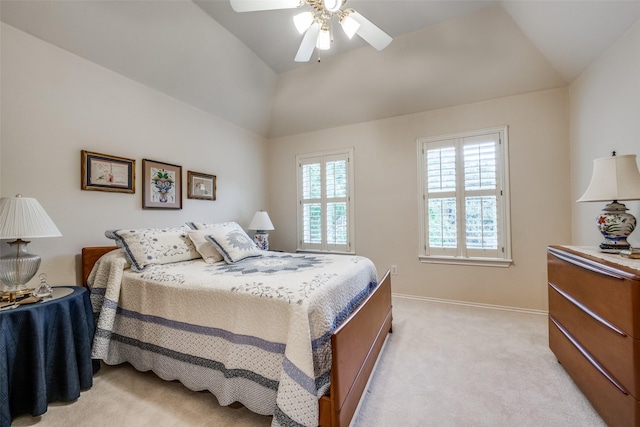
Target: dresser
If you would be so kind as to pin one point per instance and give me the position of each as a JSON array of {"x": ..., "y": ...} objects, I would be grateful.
[{"x": 594, "y": 327}]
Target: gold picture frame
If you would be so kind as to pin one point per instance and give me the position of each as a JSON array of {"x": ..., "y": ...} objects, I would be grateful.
[
  {"x": 104, "y": 172},
  {"x": 201, "y": 186}
]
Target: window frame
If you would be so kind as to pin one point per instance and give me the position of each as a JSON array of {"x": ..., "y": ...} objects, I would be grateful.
[
  {"x": 323, "y": 157},
  {"x": 459, "y": 254}
]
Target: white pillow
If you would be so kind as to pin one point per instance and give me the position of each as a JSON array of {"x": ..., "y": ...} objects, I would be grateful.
[
  {"x": 209, "y": 253},
  {"x": 232, "y": 242},
  {"x": 146, "y": 246},
  {"x": 205, "y": 225}
]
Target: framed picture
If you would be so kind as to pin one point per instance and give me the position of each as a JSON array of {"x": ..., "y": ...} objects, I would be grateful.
[
  {"x": 201, "y": 186},
  {"x": 161, "y": 185},
  {"x": 103, "y": 172}
]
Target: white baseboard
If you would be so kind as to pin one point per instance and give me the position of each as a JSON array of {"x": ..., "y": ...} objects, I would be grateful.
[{"x": 473, "y": 304}]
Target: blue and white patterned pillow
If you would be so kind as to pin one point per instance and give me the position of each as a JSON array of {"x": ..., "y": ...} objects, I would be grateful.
[
  {"x": 146, "y": 246},
  {"x": 232, "y": 242}
]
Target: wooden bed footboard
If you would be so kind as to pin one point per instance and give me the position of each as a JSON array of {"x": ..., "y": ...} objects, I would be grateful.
[{"x": 355, "y": 346}]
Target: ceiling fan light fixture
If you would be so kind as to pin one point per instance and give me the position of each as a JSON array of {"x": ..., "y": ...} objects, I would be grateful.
[
  {"x": 316, "y": 24},
  {"x": 303, "y": 21},
  {"x": 349, "y": 25},
  {"x": 332, "y": 5},
  {"x": 324, "y": 39}
]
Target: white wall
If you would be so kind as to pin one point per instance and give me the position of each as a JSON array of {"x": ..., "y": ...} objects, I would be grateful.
[
  {"x": 455, "y": 62},
  {"x": 387, "y": 200},
  {"x": 55, "y": 104},
  {"x": 605, "y": 116},
  {"x": 171, "y": 46}
]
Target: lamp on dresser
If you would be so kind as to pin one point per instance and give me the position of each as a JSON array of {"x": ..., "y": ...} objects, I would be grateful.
[
  {"x": 614, "y": 179},
  {"x": 261, "y": 223},
  {"x": 22, "y": 218}
]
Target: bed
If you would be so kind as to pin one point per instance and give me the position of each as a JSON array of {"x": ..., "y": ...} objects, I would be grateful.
[{"x": 310, "y": 375}]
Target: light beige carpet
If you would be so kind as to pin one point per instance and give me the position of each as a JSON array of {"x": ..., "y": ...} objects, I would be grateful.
[{"x": 444, "y": 365}]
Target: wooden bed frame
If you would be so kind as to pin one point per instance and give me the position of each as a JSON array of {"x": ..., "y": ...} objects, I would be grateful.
[{"x": 355, "y": 346}]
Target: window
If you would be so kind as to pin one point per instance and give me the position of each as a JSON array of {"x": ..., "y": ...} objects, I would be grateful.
[
  {"x": 325, "y": 201},
  {"x": 464, "y": 198}
]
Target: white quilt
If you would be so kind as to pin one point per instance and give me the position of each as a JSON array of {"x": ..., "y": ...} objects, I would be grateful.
[{"x": 257, "y": 331}]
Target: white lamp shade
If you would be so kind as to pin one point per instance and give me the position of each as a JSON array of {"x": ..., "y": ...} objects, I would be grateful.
[
  {"x": 332, "y": 5},
  {"x": 324, "y": 40},
  {"x": 261, "y": 221},
  {"x": 350, "y": 26},
  {"x": 614, "y": 178},
  {"x": 24, "y": 217},
  {"x": 303, "y": 21}
]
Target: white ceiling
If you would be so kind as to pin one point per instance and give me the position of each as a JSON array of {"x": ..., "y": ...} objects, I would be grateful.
[
  {"x": 272, "y": 36},
  {"x": 570, "y": 33},
  {"x": 200, "y": 53}
]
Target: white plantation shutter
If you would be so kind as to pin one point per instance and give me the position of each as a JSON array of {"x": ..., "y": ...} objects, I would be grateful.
[
  {"x": 325, "y": 202},
  {"x": 441, "y": 187},
  {"x": 311, "y": 202},
  {"x": 481, "y": 194},
  {"x": 464, "y": 197}
]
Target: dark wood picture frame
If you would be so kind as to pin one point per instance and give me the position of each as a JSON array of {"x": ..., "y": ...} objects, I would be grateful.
[
  {"x": 161, "y": 185},
  {"x": 104, "y": 172},
  {"x": 201, "y": 186}
]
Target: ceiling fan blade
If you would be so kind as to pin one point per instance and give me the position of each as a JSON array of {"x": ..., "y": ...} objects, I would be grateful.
[
  {"x": 308, "y": 43},
  {"x": 257, "y": 5},
  {"x": 370, "y": 33}
]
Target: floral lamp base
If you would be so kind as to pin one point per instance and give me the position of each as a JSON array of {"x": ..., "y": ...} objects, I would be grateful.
[
  {"x": 261, "y": 238},
  {"x": 616, "y": 225}
]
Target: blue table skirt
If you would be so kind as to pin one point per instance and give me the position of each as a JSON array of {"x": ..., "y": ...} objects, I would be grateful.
[{"x": 45, "y": 354}]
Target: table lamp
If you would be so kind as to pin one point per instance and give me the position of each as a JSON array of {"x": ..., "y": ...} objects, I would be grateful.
[
  {"x": 614, "y": 179},
  {"x": 22, "y": 217},
  {"x": 261, "y": 223}
]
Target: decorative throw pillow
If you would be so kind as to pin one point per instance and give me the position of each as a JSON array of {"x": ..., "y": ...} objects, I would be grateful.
[
  {"x": 143, "y": 247},
  {"x": 205, "y": 226},
  {"x": 232, "y": 242},
  {"x": 209, "y": 253}
]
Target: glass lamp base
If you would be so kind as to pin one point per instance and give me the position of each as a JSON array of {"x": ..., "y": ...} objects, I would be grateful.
[{"x": 18, "y": 266}]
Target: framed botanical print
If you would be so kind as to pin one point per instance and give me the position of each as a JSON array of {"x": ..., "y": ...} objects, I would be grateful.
[
  {"x": 161, "y": 185},
  {"x": 104, "y": 172},
  {"x": 201, "y": 186}
]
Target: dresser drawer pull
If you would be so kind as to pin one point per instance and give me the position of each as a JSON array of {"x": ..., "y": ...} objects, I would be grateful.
[
  {"x": 586, "y": 266},
  {"x": 588, "y": 356},
  {"x": 588, "y": 311}
]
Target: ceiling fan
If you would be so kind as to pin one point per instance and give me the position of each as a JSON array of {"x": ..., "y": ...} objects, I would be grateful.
[{"x": 315, "y": 23}]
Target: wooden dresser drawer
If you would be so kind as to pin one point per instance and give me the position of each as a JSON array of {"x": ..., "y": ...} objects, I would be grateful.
[
  {"x": 614, "y": 406},
  {"x": 611, "y": 347},
  {"x": 613, "y": 294}
]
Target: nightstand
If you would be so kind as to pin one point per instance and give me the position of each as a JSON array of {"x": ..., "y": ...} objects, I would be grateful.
[{"x": 48, "y": 353}]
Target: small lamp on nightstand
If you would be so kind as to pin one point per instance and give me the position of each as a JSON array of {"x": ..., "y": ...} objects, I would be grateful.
[
  {"x": 614, "y": 179},
  {"x": 22, "y": 217},
  {"x": 261, "y": 223}
]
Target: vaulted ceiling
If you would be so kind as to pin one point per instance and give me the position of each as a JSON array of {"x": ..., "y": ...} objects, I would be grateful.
[{"x": 240, "y": 68}]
